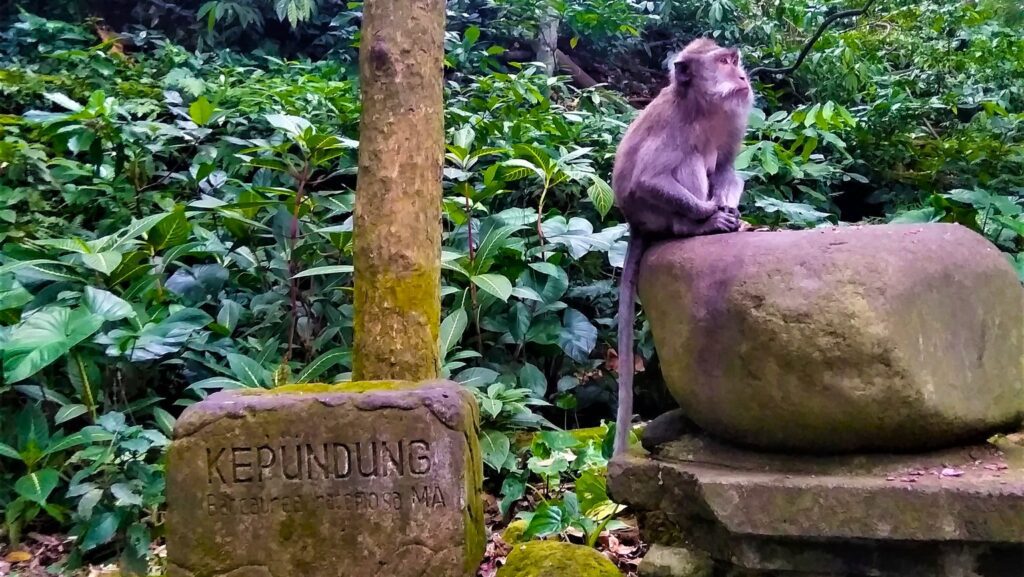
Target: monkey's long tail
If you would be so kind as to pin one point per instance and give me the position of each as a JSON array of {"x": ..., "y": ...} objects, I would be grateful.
[{"x": 627, "y": 310}]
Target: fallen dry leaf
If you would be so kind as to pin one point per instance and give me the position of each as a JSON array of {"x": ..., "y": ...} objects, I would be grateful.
[{"x": 18, "y": 557}]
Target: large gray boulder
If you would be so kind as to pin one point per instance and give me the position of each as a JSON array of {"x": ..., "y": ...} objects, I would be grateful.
[{"x": 883, "y": 337}]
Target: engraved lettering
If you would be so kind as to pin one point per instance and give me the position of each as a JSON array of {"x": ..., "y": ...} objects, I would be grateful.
[
  {"x": 438, "y": 497},
  {"x": 266, "y": 457},
  {"x": 321, "y": 463},
  {"x": 298, "y": 463},
  {"x": 240, "y": 462},
  {"x": 374, "y": 459},
  {"x": 214, "y": 465},
  {"x": 390, "y": 460},
  {"x": 419, "y": 458},
  {"x": 342, "y": 465},
  {"x": 421, "y": 497}
]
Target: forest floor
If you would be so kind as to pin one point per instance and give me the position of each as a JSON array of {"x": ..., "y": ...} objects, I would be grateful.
[{"x": 39, "y": 551}]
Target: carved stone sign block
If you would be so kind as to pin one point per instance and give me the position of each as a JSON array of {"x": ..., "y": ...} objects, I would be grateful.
[{"x": 351, "y": 480}]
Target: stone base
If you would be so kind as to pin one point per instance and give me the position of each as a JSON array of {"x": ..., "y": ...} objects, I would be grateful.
[
  {"x": 956, "y": 513},
  {"x": 350, "y": 480}
]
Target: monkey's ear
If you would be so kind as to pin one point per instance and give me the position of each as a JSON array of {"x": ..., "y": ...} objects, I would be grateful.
[{"x": 682, "y": 72}]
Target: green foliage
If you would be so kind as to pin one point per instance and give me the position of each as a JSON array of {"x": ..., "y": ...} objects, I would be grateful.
[{"x": 561, "y": 459}]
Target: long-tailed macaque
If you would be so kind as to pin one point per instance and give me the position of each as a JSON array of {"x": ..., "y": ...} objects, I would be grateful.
[{"x": 674, "y": 175}]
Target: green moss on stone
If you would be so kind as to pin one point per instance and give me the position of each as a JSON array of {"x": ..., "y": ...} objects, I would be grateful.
[
  {"x": 513, "y": 534},
  {"x": 524, "y": 439},
  {"x": 476, "y": 534},
  {"x": 392, "y": 311},
  {"x": 351, "y": 387},
  {"x": 556, "y": 559}
]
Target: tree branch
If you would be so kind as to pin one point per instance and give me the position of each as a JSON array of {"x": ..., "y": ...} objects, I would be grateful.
[
  {"x": 762, "y": 71},
  {"x": 579, "y": 76}
]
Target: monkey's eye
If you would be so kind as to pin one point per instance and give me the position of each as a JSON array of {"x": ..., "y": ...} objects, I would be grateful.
[{"x": 724, "y": 60}]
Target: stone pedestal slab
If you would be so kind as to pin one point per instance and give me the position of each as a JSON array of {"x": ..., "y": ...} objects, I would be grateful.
[
  {"x": 352, "y": 480},
  {"x": 956, "y": 513}
]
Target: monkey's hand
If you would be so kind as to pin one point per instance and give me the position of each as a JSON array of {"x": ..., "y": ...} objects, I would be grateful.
[
  {"x": 722, "y": 221},
  {"x": 730, "y": 210}
]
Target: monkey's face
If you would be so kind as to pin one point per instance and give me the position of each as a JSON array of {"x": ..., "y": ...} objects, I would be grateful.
[
  {"x": 728, "y": 80},
  {"x": 716, "y": 75}
]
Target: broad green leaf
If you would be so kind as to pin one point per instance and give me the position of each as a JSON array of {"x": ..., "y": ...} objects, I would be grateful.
[
  {"x": 828, "y": 110},
  {"x": 230, "y": 312},
  {"x": 104, "y": 262},
  {"x": 68, "y": 412},
  {"x": 527, "y": 293},
  {"x": 516, "y": 165},
  {"x": 325, "y": 270},
  {"x": 328, "y": 360},
  {"x": 170, "y": 231},
  {"x": 170, "y": 335},
  {"x": 293, "y": 125},
  {"x": 107, "y": 305},
  {"x": 73, "y": 440},
  {"x": 63, "y": 101},
  {"x": 742, "y": 161},
  {"x": 14, "y": 266},
  {"x": 135, "y": 557},
  {"x": 33, "y": 431},
  {"x": 452, "y": 328},
  {"x": 88, "y": 501},
  {"x": 36, "y": 487},
  {"x": 134, "y": 230},
  {"x": 164, "y": 420},
  {"x": 9, "y": 451},
  {"x": 125, "y": 495},
  {"x": 769, "y": 160},
  {"x": 549, "y": 519},
  {"x": 512, "y": 489},
  {"x": 494, "y": 284},
  {"x": 248, "y": 371},
  {"x": 927, "y": 214},
  {"x": 495, "y": 447},
  {"x": 578, "y": 335},
  {"x": 797, "y": 212},
  {"x": 224, "y": 383},
  {"x": 591, "y": 488},
  {"x": 201, "y": 111},
  {"x": 546, "y": 268},
  {"x": 601, "y": 195},
  {"x": 12, "y": 294},
  {"x": 44, "y": 337},
  {"x": 477, "y": 377},
  {"x": 532, "y": 378},
  {"x": 494, "y": 240},
  {"x": 75, "y": 245},
  {"x": 102, "y": 529}
]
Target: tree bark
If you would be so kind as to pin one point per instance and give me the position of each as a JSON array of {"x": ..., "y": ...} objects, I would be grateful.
[
  {"x": 547, "y": 42},
  {"x": 398, "y": 194}
]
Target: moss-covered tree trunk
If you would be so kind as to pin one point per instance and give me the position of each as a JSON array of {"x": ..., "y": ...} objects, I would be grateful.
[{"x": 398, "y": 197}]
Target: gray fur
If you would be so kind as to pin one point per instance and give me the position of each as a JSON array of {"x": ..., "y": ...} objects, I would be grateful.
[{"x": 674, "y": 175}]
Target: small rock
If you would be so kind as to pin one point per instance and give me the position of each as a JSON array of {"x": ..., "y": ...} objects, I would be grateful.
[
  {"x": 664, "y": 561},
  {"x": 556, "y": 559},
  {"x": 950, "y": 472}
]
